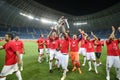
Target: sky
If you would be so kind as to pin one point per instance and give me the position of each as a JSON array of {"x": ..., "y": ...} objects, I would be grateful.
[{"x": 78, "y": 7}]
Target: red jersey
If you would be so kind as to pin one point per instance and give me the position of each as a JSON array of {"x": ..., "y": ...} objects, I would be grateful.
[
  {"x": 19, "y": 46},
  {"x": 54, "y": 42},
  {"x": 64, "y": 45},
  {"x": 83, "y": 44},
  {"x": 40, "y": 42},
  {"x": 74, "y": 45},
  {"x": 10, "y": 49},
  {"x": 99, "y": 46},
  {"x": 115, "y": 44},
  {"x": 90, "y": 46},
  {"x": 47, "y": 41},
  {"x": 119, "y": 52},
  {"x": 112, "y": 48}
]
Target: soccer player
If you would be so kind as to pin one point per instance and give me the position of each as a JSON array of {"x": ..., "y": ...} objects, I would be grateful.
[
  {"x": 90, "y": 53},
  {"x": 82, "y": 49},
  {"x": 112, "y": 55},
  {"x": 53, "y": 37},
  {"x": 40, "y": 42},
  {"x": 20, "y": 48},
  {"x": 74, "y": 52},
  {"x": 47, "y": 44},
  {"x": 12, "y": 58},
  {"x": 98, "y": 50},
  {"x": 64, "y": 45}
]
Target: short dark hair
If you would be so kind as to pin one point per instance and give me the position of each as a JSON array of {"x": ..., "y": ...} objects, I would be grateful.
[
  {"x": 41, "y": 35},
  {"x": 10, "y": 35},
  {"x": 99, "y": 39}
]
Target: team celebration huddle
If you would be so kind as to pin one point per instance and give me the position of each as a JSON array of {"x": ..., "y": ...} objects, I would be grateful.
[{"x": 61, "y": 49}]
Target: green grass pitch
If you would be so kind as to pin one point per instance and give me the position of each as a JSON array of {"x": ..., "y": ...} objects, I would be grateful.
[{"x": 36, "y": 71}]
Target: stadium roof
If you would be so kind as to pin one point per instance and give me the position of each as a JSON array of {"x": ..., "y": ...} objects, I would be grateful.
[
  {"x": 20, "y": 13},
  {"x": 78, "y": 7}
]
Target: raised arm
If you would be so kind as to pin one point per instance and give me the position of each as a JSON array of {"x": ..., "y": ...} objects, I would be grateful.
[
  {"x": 64, "y": 30},
  {"x": 49, "y": 35},
  {"x": 94, "y": 35},
  {"x": 80, "y": 31},
  {"x": 57, "y": 30},
  {"x": 80, "y": 35},
  {"x": 112, "y": 35}
]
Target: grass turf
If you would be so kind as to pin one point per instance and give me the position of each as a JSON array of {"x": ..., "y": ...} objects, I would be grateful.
[{"x": 36, "y": 71}]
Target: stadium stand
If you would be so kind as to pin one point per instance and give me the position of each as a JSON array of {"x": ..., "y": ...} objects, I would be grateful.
[{"x": 24, "y": 32}]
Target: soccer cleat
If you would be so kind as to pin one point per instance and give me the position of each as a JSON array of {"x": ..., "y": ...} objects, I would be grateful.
[
  {"x": 83, "y": 64},
  {"x": 55, "y": 65},
  {"x": 50, "y": 71},
  {"x": 107, "y": 78},
  {"x": 47, "y": 60},
  {"x": 39, "y": 61},
  {"x": 89, "y": 69},
  {"x": 96, "y": 71},
  {"x": 98, "y": 64},
  {"x": 67, "y": 70},
  {"x": 79, "y": 70},
  {"x": 59, "y": 69},
  {"x": 74, "y": 68},
  {"x": 117, "y": 78},
  {"x": 21, "y": 69},
  {"x": 63, "y": 78}
]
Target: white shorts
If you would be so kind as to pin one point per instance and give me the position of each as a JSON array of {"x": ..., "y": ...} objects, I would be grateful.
[
  {"x": 53, "y": 54},
  {"x": 113, "y": 61},
  {"x": 41, "y": 51},
  {"x": 9, "y": 69},
  {"x": 90, "y": 55},
  {"x": 82, "y": 51},
  {"x": 59, "y": 56},
  {"x": 21, "y": 56},
  {"x": 47, "y": 50},
  {"x": 64, "y": 61}
]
